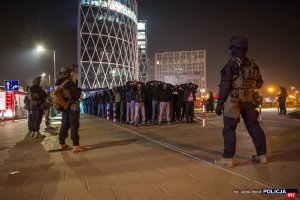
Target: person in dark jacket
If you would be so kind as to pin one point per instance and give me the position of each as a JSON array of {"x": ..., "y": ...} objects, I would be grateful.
[
  {"x": 148, "y": 102},
  {"x": 210, "y": 103},
  {"x": 111, "y": 103},
  {"x": 281, "y": 100},
  {"x": 129, "y": 97},
  {"x": 175, "y": 105},
  {"x": 155, "y": 88},
  {"x": 37, "y": 100},
  {"x": 181, "y": 103},
  {"x": 70, "y": 116},
  {"x": 139, "y": 99},
  {"x": 164, "y": 107},
  {"x": 240, "y": 77},
  {"x": 103, "y": 104},
  {"x": 189, "y": 98},
  {"x": 117, "y": 104},
  {"x": 123, "y": 104},
  {"x": 95, "y": 104},
  {"x": 133, "y": 89},
  {"x": 107, "y": 102}
]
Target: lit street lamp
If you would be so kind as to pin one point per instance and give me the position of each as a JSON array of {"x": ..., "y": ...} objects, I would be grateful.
[
  {"x": 43, "y": 75},
  {"x": 41, "y": 49},
  {"x": 271, "y": 90}
]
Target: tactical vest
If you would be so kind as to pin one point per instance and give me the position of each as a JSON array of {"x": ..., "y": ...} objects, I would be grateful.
[{"x": 244, "y": 84}]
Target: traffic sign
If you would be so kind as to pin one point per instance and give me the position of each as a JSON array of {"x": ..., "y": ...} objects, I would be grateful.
[
  {"x": 50, "y": 88},
  {"x": 11, "y": 85}
]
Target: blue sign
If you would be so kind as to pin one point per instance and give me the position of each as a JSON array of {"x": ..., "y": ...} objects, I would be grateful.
[
  {"x": 50, "y": 88},
  {"x": 11, "y": 85}
]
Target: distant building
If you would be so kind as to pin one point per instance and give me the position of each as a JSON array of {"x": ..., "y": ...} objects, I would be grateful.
[
  {"x": 142, "y": 46},
  {"x": 107, "y": 43},
  {"x": 150, "y": 69},
  {"x": 182, "y": 67}
]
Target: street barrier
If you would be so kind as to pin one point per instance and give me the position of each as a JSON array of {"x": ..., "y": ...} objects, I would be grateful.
[{"x": 203, "y": 112}]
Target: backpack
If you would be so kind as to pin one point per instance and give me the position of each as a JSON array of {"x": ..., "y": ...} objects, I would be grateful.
[{"x": 61, "y": 97}]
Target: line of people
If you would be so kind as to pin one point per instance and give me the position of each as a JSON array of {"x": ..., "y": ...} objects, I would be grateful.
[{"x": 139, "y": 103}]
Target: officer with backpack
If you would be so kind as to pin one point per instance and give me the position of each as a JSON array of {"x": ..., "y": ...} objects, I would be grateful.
[
  {"x": 70, "y": 116},
  {"x": 37, "y": 98},
  {"x": 240, "y": 78}
]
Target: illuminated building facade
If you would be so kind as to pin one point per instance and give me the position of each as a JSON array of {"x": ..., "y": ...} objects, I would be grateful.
[
  {"x": 107, "y": 39},
  {"x": 182, "y": 67},
  {"x": 142, "y": 45}
]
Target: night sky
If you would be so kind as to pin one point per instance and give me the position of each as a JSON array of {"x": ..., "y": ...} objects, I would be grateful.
[{"x": 272, "y": 29}]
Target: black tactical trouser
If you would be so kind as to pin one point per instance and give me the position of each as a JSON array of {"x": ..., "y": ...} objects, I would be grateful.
[
  {"x": 250, "y": 116},
  {"x": 282, "y": 108},
  {"x": 70, "y": 120},
  {"x": 189, "y": 111},
  {"x": 30, "y": 124},
  {"x": 36, "y": 118}
]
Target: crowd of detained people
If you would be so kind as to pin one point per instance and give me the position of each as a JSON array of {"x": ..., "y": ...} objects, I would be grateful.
[{"x": 139, "y": 103}]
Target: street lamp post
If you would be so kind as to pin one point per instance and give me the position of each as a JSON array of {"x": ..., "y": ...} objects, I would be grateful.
[
  {"x": 54, "y": 67},
  {"x": 42, "y": 49}
]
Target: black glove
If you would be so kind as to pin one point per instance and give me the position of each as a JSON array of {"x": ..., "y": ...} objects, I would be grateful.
[{"x": 219, "y": 110}]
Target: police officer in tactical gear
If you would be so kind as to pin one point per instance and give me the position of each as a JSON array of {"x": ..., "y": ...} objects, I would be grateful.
[
  {"x": 70, "y": 116},
  {"x": 240, "y": 78},
  {"x": 37, "y": 98}
]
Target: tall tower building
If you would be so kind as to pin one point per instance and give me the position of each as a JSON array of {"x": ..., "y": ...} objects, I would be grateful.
[
  {"x": 107, "y": 40},
  {"x": 142, "y": 45}
]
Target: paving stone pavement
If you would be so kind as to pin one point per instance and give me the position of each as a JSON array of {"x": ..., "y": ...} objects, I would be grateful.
[{"x": 118, "y": 166}]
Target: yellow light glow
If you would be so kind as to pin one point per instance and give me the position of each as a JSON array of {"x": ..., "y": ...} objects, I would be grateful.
[
  {"x": 292, "y": 88},
  {"x": 271, "y": 89}
]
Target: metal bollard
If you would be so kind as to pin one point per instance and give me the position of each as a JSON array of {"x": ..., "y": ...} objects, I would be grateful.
[
  {"x": 203, "y": 115},
  {"x": 203, "y": 112},
  {"x": 107, "y": 112}
]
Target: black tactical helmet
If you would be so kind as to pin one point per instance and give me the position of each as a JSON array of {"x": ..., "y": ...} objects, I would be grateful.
[
  {"x": 238, "y": 42},
  {"x": 65, "y": 71},
  {"x": 37, "y": 80}
]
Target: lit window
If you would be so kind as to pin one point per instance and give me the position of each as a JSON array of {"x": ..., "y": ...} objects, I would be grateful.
[{"x": 141, "y": 26}]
